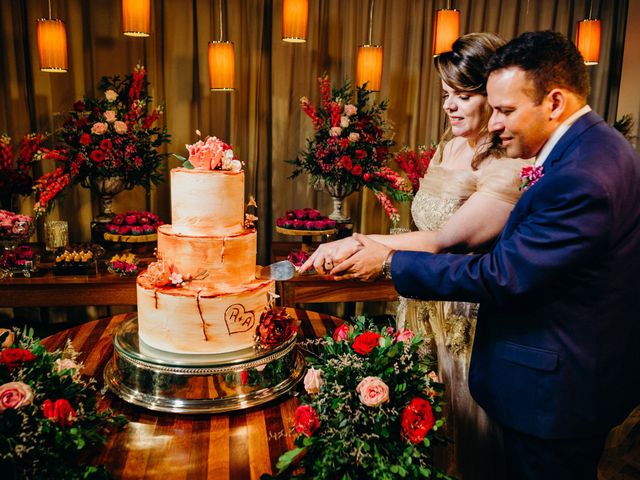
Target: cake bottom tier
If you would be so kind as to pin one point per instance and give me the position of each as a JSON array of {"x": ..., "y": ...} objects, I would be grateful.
[{"x": 189, "y": 321}]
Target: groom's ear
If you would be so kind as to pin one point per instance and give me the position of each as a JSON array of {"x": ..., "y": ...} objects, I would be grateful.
[{"x": 557, "y": 103}]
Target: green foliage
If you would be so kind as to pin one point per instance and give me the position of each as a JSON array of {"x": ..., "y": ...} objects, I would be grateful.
[
  {"x": 357, "y": 441},
  {"x": 36, "y": 446}
]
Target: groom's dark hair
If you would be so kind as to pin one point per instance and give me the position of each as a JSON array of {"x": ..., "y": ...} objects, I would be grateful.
[{"x": 549, "y": 59}]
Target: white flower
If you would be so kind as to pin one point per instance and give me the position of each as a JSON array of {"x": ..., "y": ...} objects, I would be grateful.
[
  {"x": 344, "y": 122},
  {"x": 111, "y": 95},
  {"x": 110, "y": 116},
  {"x": 313, "y": 381},
  {"x": 236, "y": 165},
  {"x": 354, "y": 137},
  {"x": 176, "y": 279},
  {"x": 350, "y": 110},
  {"x": 335, "y": 131}
]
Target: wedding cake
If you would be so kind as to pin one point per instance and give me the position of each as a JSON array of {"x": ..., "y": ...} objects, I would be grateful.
[{"x": 201, "y": 296}]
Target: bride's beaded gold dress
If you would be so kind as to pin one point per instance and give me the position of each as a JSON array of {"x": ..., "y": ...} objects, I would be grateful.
[{"x": 476, "y": 451}]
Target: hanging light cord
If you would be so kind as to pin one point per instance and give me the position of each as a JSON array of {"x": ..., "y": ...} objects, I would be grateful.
[
  {"x": 370, "y": 19},
  {"x": 49, "y": 9},
  {"x": 220, "y": 11},
  {"x": 590, "y": 8}
]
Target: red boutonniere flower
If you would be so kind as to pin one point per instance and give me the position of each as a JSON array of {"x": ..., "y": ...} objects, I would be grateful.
[
  {"x": 529, "y": 175},
  {"x": 306, "y": 420}
]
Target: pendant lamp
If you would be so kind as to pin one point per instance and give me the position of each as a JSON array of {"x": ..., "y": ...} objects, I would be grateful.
[
  {"x": 221, "y": 63},
  {"x": 295, "y": 16},
  {"x": 52, "y": 44},
  {"x": 588, "y": 39},
  {"x": 369, "y": 69},
  {"x": 136, "y": 18},
  {"x": 446, "y": 29}
]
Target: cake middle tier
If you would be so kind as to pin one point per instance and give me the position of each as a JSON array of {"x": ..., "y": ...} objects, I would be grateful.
[{"x": 210, "y": 259}]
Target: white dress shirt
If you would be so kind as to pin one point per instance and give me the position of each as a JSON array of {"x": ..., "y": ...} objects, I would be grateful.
[{"x": 558, "y": 133}]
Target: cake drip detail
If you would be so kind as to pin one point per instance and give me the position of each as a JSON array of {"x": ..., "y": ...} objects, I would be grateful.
[
  {"x": 204, "y": 325},
  {"x": 224, "y": 240}
]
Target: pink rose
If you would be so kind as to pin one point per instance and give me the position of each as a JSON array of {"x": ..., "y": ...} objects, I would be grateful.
[
  {"x": 308, "y": 224},
  {"x": 335, "y": 131},
  {"x": 15, "y": 395},
  {"x": 373, "y": 391},
  {"x": 120, "y": 127},
  {"x": 404, "y": 336},
  {"x": 110, "y": 116},
  {"x": 313, "y": 381},
  {"x": 8, "y": 338},
  {"x": 300, "y": 214},
  {"x": 99, "y": 128},
  {"x": 340, "y": 333},
  {"x": 306, "y": 420},
  {"x": 354, "y": 137},
  {"x": 344, "y": 122},
  {"x": 350, "y": 110},
  {"x": 131, "y": 219},
  {"x": 298, "y": 224},
  {"x": 313, "y": 214}
]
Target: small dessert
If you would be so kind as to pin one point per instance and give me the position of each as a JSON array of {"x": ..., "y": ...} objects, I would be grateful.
[
  {"x": 133, "y": 227},
  {"x": 73, "y": 262},
  {"x": 305, "y": 219}
]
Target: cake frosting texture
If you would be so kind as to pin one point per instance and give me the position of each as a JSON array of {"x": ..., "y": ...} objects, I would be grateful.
[{"x": 202, "y": 296}]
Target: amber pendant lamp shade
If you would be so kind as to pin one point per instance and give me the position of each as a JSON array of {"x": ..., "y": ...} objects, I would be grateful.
[
  {"x": 136, "y": 18},
  {"x": 52, "y": 45},
  {"x": 588, "y": 40},
  {"x": 295, "y": 17},
  {"x": 446, "y": 30},
  {"x": 221, "y": 66},
  {"x": 369, "y": 69}
]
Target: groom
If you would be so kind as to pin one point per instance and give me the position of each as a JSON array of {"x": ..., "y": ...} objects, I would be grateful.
[{"x": 555, "y": 358}]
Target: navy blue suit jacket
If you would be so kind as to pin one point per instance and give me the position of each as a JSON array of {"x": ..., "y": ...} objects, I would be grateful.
[{"x": 557, "y": 345}]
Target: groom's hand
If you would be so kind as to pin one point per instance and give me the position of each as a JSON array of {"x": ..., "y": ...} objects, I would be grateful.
[
  {"x": 366, "y": 263},
  {"x": 328, "y": 255}
]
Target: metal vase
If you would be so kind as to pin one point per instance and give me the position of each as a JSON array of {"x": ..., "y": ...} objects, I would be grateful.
[
  {"x": 338, "y": 192},
  {"x": 105, "y": 188}
]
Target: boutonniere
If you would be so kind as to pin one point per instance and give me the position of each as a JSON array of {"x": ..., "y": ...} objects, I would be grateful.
[{"x": 529, "y": 175}]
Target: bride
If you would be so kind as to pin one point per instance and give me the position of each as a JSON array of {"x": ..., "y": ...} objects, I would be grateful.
[{"x": 462, "y": 204}]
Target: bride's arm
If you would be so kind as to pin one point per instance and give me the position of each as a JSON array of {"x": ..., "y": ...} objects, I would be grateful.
[{"x": 478, "y": 221}]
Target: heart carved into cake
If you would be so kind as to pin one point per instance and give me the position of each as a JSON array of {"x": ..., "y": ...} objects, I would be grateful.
[{"x": 238, "y": 320}]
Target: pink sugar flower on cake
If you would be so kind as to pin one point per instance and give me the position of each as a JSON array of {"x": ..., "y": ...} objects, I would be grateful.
[{"x": 213, "y": 154}]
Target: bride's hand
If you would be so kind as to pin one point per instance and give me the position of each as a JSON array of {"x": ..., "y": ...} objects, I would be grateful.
[
  {"x": 366, "y": 264},
  {"x": 331, "y": 254}
]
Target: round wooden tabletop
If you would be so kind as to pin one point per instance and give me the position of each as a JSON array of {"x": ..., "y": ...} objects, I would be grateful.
[{"x": 236, "y": 445}]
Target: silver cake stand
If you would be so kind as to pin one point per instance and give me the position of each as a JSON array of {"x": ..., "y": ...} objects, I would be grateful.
[{"x": 199, "y": 383}]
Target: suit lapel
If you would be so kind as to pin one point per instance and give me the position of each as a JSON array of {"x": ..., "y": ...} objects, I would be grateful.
[{"x": 580, "y": 126}]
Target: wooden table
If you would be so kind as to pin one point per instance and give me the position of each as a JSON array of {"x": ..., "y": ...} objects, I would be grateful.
[{"x": 238, "y": 445}]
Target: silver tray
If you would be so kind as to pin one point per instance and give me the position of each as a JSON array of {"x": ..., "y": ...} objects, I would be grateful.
[{"x": 167, "y": 382}]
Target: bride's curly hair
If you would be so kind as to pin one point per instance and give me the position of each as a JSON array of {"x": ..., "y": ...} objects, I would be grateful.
[{"x": 464, "y": 70}]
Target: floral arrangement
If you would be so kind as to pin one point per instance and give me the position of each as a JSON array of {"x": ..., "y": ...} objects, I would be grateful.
[
  {"x": 415, "y": 163},
  {"x": 49, "y": 414},
  {"x": 15, "y": 225},
  {"x": 305, "y": 219},
  {"x": 124, "y": 265},
  {"x": 21, "y": 258},
  {"x": 373, "y": 408},
  {"x": 16, "y": 173},
  {"x": 529, "y": 176},
  {"x": 163, "y": 274},
  {"x": 350, "y": 145},
  {"x": 113, "y": 135},
  {"x": 210, "y": 154}
]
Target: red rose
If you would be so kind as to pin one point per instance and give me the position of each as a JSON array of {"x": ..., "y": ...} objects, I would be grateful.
[
  {"x": 118, "y": 219},
  {"x": 131, "y": 219},
  {"x": 367, "y": 177},
  {"x": 357, "y": 170},
  {"x": 79, "y": 106},
  {"x": 97, "y": 156},
  {"x": 59, "y": 411},
  {"x": 15, "y": 357},
  {"x": 346, "y": 162},
  {"x": 344, "y": 142},
  {"x": 306, "y": 420},
  {"x": 360, "y": 154},
  {"x": 124, "y": 230},
  {"x": 136, "y": 230},
  {"x": 85, "y": 139},
  {"x": 280, "y": 222},
  {"x": 106, "y": 145},
  {"x": 298, "y": 224},
  {"x": 290, "y": 215},
  {"x": 300, "y": 214},
  {"x": 417, "y": 420},
  {"x": 82, "y": 122},
  {"x": 319, "y": 224},
  {"x": 308, "y": 224},
  {"x": 365, "y": 342},
  {"x": 313, "y": 214}
]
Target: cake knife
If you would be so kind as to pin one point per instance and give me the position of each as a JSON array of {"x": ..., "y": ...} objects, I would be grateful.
[{"x": 278, "y": 271}]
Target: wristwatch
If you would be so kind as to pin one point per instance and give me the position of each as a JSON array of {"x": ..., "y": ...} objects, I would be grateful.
[{"x": 386, "y": 265}]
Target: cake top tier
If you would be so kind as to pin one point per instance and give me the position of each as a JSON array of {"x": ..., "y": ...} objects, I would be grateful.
[{"x": 207, "y": 202}]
